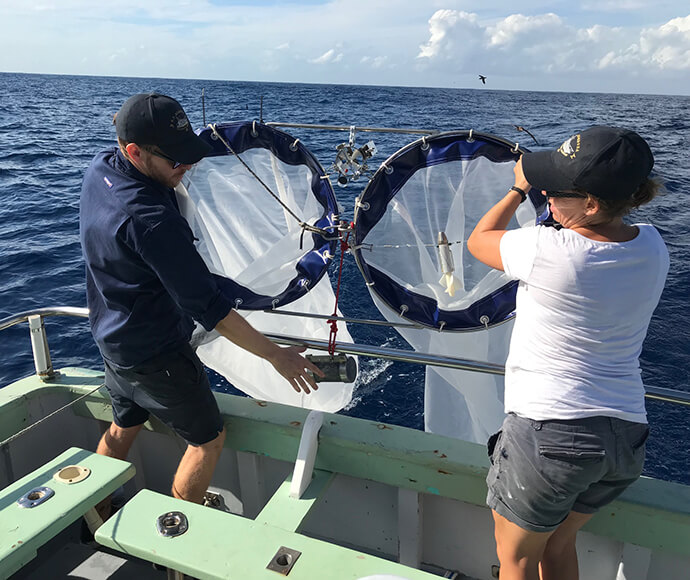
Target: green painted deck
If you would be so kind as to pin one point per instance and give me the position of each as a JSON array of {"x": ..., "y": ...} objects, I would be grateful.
[
  {"x": 219, "y": 545},
  {"x": 24, "y": 530}
]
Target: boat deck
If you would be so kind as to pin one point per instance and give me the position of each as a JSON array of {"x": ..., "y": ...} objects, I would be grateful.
[{"x": 399, "y": 495}]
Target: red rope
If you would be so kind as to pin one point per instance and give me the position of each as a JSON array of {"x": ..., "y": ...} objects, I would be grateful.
[{"x": 333, "y": 322}]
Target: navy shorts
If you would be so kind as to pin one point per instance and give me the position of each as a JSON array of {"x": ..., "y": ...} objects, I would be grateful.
[
  {"x": 173, "y": 387},
  {"x": 542, "y": 470}
]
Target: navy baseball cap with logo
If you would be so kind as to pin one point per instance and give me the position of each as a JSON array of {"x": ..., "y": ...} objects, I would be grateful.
[
  {"x": 154, "y": 119},
  {"x": 608, "y": 162}
]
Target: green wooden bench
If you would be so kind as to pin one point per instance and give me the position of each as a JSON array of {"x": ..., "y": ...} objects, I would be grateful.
[
  {"x": 25, "y": 529},
  {"x": 219, "y": 545},
  {"x": 283, "y": 511}
]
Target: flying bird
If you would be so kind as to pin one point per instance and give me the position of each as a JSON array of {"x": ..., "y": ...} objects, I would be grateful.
[
  {"x": 521, "y": 128},
  {"x": 483, "y": 79}
]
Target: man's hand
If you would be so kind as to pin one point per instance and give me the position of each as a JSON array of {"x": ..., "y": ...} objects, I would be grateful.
[
  {"x": 286, "y": 360},
  {"x": 293, "y": 367}
]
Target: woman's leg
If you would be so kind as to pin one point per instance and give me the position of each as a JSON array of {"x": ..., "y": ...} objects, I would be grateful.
[
  {"x": 519, "y": 550},
  {"x": 526, "y": 555},
  {"x": 559, "y": 561}
]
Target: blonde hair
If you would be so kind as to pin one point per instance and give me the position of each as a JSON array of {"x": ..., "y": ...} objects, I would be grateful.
[{"x": 613, "y": 208}]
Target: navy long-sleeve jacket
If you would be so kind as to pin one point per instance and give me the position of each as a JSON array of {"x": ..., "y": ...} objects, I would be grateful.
[{"x": 145, "y": 281}]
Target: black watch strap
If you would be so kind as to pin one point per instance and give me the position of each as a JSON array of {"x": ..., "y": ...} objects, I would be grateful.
[{"x": 521, "y": 191}]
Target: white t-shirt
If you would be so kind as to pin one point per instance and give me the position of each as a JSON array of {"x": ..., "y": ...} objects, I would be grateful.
[{"x": 583, "y": 308}]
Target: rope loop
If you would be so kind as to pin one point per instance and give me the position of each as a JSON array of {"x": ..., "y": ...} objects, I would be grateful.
[
  {"x": 254, "y": 133},
  {"x": 333, "y": 322}
]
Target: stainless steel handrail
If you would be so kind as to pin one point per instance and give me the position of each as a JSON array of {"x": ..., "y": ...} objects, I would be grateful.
[
  {"x": 355, "y": 128},
  {"x": 37, "y": 331},
  {"x": 56, "y": 311},
  {"x": 394, "y": 354}
]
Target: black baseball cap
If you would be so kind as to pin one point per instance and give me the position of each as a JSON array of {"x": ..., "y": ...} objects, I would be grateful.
[
  {"x": 154, "y": 119},
  {"x": 607, "y": 162}
]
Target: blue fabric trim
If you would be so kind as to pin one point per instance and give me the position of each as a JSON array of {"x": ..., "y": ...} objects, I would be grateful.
[
  {"x": 314, "y": 264},
  {"x": 497, "y": 306},
  {"x": 405, "y": 163}
]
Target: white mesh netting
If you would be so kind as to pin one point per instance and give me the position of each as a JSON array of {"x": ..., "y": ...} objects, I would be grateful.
[
  {"x": 449, "y": 197},
  {"x": 246, "y": 235}
]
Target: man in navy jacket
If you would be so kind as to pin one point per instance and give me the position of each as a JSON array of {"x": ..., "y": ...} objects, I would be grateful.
[{"x": 146, "y": 284}]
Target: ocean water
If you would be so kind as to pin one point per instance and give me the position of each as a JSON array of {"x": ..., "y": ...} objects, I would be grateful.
[{"x": 51, "y": 126}]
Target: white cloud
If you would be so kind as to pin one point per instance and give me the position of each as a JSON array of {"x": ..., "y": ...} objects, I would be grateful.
[
  {"x": 517, "y": 30},
  {"x": 450, "y": 31},
  {"x": 329, "y": 56},
  {"x": 668, "y": 46},
  {"x": 374, "y": 61},
  {"x": 547, "y": 43}
]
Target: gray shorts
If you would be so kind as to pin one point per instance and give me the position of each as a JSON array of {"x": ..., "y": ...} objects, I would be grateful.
[
  {"x": 542, "y": 470},
  {"x": 172, "y": 386}
]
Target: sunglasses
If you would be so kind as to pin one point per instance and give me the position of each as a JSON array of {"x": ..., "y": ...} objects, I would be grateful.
[
  {"x": 574, "y": 194},
  {"x": 157, "y": 153}
]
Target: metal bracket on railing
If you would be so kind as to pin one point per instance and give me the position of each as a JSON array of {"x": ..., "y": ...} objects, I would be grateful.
[{"x": 39, "y": 345}]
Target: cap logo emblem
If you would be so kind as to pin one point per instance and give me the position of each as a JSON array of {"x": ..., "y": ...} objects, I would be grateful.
[
  {"x": 179, "y": 121},
  {"x": 570, "y": 147}
]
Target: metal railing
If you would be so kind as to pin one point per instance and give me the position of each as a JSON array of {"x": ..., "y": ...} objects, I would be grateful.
[
  {"x": 44, "y": 368},
  {"x": 39, "y": 340},
  {"x": 355, "y": 128}
]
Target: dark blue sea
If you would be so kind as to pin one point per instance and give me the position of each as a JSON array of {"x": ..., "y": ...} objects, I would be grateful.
[{"x": 51, "y": 126}]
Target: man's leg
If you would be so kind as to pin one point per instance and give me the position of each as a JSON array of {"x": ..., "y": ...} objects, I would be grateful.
[
  {"x": 196, "y": 469},
  {"x": 559, "y": 561},
  {"x": 117, "y": 441},
  {"x": 519, "y": 551}
]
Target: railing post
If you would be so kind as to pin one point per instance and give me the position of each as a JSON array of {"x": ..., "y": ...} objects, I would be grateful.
[{"x": 39, "y": 345}]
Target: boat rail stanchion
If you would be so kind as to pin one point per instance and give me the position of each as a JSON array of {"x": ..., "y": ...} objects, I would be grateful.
[
  {"x": 39, "y": 346},
  {"x": 306, "y": 454}
]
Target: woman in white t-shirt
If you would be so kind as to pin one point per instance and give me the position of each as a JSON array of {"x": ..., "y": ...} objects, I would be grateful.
[{"x": 573, "y": 438}]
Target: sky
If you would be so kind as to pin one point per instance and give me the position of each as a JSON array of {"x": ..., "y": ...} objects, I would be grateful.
[{"x": 627, "y": 46}]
